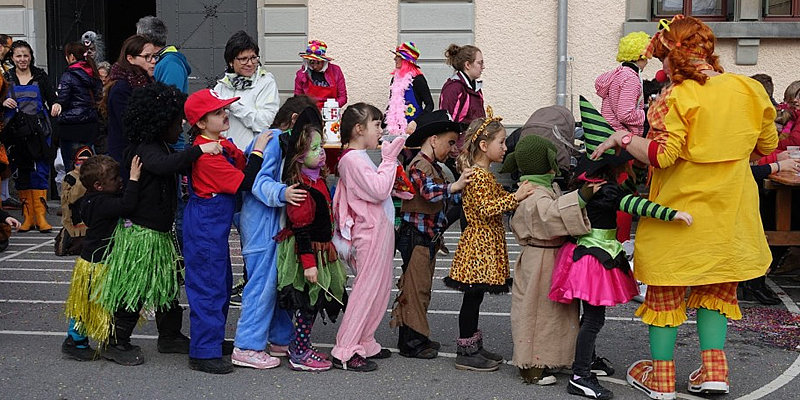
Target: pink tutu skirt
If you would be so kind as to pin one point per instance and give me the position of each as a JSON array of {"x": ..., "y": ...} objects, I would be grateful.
[{"x": 588, "y": 280}]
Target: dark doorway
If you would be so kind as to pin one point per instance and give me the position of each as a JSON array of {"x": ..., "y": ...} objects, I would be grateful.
[
  {"x": 121, "y": 22},
  {"x": 67, "y": 20}
]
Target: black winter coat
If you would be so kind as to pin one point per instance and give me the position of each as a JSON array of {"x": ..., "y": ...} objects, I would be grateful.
[{"x": 78, "y": 94}]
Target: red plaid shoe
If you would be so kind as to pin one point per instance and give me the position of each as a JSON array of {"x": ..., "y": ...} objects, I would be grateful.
[
  {"x": 655, "y": 378},
  {"x": 712, "y": 377}
]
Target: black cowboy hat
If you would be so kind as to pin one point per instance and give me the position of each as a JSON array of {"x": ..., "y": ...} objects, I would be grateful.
[{"x": 433, "y": 123}]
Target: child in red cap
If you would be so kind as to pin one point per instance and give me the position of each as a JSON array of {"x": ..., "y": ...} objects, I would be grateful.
[{"x": 214, "y": 182}]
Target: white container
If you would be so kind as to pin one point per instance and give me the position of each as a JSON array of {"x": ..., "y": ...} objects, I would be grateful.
[{"x": 331, "y": 115}]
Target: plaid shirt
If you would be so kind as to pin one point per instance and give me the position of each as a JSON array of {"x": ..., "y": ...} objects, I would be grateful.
[{"x": 432, "y": 192}]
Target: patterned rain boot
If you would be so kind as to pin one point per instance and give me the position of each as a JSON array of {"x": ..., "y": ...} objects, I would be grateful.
[
  {"x": 712, "y": 376},
  {"x": 469, "y": 357},
  {"x": 39, "y": 200},
  {"x": 655, "y": 378},
  {"x": 26, "y": 196}
]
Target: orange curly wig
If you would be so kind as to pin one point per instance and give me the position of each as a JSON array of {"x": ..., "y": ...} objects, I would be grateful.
[{"x": 688, "y": 44}]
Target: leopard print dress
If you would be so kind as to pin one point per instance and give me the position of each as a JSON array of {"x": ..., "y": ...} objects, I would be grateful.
[{"x": 481, "y": 259}]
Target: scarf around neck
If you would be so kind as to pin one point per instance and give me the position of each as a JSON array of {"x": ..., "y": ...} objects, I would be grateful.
[
  {"x": 135, "y": 76},
  {"x": 544, "y": 180},
  {"x": 240, "y": 82}
]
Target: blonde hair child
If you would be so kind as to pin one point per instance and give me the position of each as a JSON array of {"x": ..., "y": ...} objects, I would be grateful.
[{"x": 480, "y": 263}]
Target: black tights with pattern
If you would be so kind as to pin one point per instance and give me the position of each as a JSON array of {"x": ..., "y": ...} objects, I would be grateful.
[{"x": 303, "y": 324}]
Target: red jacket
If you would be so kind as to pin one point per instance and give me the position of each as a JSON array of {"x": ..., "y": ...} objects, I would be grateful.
[
  {"x": 462, "y": 101},
  {"x": 333, "y": 75}
]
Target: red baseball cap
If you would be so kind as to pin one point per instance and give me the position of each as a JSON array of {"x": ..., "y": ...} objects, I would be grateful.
[{"x": 203, "y": 102}]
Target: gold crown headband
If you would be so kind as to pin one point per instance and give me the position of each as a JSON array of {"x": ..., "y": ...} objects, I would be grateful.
[{"x": 486, "y": 121}]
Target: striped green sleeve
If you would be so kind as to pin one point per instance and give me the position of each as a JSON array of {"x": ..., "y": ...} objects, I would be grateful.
[{"x": 642, "y": 207}]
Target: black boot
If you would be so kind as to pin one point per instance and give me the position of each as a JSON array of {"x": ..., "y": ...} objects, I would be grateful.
[
  {"x": 169, "y": 321},
  {"x": 211, "y": 365},
  {"x": 414, "y": 345},
  {"x": 469, "y": 357},
  {"x": 757, "y": 290},
  {"x": 119, "y": 348},
  {"x": 486, "y": 353}
]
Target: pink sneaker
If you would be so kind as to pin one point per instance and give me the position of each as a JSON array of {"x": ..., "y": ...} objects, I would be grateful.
[
  {"x": 319, "y": 354},
  {"x": 278, "y": 351},
  {"x": 308, "y": 361},
  {"x": 254, "y": 359}
]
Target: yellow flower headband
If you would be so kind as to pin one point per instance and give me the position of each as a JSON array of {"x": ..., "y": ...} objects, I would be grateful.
[{"x": 486, "y": 121}]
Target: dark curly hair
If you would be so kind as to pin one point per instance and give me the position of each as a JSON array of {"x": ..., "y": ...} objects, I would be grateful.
[{"x": 152, "y": 110}]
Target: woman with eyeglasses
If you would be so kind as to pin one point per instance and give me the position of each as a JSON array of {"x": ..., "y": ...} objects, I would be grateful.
[
  {"x": 134, "y": 68},
  {"x": 318, "y": 78},
  {"x": 256, "y": 88}
]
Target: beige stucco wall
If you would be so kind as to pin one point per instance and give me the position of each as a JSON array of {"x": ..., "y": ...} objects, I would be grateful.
[
  {"x": 359, "y": 34},
  {"x": 777, "y": 58}
]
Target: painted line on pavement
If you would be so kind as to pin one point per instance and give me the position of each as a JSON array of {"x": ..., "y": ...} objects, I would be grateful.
[
  {"x": 436, "y": 312},
  {"x": 35, "y": 270},
  {"x": 625, "y": 383},
  {"x": 34, "y": 247},
  {"x": 155, "y": 337}
]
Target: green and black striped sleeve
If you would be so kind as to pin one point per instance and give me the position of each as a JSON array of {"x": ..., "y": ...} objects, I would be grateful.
[{"x": 642, "y": 207}]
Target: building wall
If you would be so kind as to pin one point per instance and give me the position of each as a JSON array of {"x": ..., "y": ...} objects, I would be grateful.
[
  {"x": 517, "y": 37},
  {"x": 25, "y": 19}
]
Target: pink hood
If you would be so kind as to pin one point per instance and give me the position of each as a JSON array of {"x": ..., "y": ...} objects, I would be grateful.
[{"x": 621, "y": 91}]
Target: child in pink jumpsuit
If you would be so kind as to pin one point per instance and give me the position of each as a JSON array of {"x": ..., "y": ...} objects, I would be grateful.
[{"x": 364, "y": 216}]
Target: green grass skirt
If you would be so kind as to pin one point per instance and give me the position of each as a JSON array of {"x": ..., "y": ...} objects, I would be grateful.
[
  {"x": 91, "y": 319},
  {"x": 330, "y": 274},
  {"x": 141, "y": 270}
]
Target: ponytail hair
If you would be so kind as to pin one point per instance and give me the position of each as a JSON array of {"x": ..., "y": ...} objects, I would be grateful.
[
  {"x": 457, "y": 56},
  {"x": 357, "y": 114},
  {"x": 479, "y": 130},
  {"x": 81, "y": 53}
]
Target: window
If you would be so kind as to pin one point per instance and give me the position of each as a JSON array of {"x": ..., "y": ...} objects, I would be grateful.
[
  {"x": 781, "y": 9},
  {"x": 432, "y": 25},
  {"x": 710, "y": 10}
]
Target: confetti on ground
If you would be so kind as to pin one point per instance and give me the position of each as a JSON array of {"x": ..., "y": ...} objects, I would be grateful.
[{"x": 780, "y": 328}]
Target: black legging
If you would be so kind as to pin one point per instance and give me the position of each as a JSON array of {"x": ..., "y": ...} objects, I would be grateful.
[
  {"x": 468, "y": 317},
  {"x": 593, "y": 319}
]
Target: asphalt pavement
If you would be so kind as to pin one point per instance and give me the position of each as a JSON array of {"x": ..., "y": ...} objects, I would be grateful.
[{"x": 34, "y": 284}]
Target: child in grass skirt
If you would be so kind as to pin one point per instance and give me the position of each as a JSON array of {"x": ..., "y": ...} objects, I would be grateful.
[
  {"x": 101, "y": 208},
  {"x": 142, "y": 264}
]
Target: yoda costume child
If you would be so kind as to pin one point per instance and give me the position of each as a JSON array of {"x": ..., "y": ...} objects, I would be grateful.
[{"x": 543, "y": 331}]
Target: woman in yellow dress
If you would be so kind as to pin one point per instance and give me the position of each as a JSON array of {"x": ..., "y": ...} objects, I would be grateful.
[{"x": 705, "y": 127}]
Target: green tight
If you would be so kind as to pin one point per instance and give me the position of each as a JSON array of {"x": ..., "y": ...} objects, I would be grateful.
[{"x": 712, "y": 327}]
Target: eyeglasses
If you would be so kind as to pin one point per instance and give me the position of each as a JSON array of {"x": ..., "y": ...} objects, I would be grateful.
[
  {"x": 248, "y": 60},
  {"x": 149, "y": 57}
]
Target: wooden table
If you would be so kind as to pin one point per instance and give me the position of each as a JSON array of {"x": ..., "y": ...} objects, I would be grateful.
[{"x": 784, "y": 183}]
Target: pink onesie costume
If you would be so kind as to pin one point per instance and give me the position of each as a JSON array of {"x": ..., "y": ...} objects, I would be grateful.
[{"x": 364, "y": 216}]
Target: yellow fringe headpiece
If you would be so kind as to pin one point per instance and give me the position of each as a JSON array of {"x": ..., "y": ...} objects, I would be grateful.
[{"x": 486, "y": 121}]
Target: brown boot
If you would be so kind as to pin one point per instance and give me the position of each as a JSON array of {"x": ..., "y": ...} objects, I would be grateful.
[
  {"x": 39, "y": 200},
  {"x": 25, "y": 197}
]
